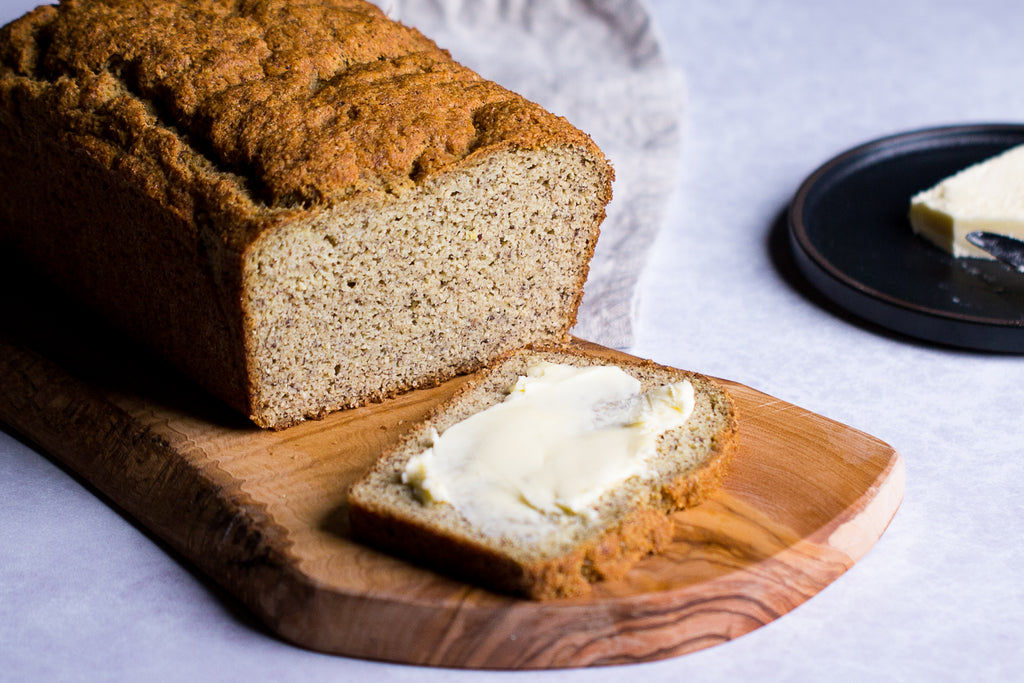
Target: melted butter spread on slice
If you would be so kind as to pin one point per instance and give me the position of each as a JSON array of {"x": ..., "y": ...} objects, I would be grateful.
[{"x": 561, "y": 438}]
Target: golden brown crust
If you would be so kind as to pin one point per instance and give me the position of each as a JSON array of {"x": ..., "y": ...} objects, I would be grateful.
[{"x": 302, "y": 103}]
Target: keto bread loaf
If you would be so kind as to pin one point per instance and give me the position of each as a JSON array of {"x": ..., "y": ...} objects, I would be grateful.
[
  {"x": 305, "y": 206},
  {"x": 536, "y": 550}
]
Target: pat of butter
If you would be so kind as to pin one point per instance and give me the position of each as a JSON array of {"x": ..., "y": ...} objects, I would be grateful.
[
  {"x": 560, "y": 439},
  {"x": 987, "y": 196}
]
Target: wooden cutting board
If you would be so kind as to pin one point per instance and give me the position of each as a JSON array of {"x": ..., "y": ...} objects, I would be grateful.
[{"x": 263, "y": 514}]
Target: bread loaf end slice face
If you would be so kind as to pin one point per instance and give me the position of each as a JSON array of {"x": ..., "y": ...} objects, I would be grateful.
[
  {"x": 378, "y": 297},
  {"x": 563, "y": 555}
]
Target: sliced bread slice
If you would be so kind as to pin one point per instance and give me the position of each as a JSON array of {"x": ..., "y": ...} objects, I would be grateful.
[{"x": 502, "y": 518}]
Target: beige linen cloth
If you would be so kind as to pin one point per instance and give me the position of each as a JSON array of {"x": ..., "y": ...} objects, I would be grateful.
[{"x": 600, "y": 64}]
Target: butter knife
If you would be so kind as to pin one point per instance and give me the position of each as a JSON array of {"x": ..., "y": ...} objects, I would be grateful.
[{"x": 1007, "y": 249}]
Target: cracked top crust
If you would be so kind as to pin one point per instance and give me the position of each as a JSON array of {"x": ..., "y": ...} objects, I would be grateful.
[{"x": 268, "y": 104}]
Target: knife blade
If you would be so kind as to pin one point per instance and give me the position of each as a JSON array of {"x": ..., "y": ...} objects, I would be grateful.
[{"x": 1009, "y": 250}]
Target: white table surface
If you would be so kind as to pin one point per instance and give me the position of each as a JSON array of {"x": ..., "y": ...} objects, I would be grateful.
[{"x": 773, "y": 90}]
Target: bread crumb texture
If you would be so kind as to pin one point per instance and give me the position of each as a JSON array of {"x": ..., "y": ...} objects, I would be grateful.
[{"x": 340, "y": 211}]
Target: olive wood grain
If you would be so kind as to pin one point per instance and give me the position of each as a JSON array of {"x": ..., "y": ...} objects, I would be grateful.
[{"x": 263, "y": 514}]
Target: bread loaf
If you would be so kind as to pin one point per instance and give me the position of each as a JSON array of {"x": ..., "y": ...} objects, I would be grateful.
[
  {"x": 533, "y": 549},
  {"x": 305, "y": 206}
]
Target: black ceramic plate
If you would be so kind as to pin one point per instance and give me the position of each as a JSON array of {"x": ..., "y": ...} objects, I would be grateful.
[{"x": 851, "y": 237}]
